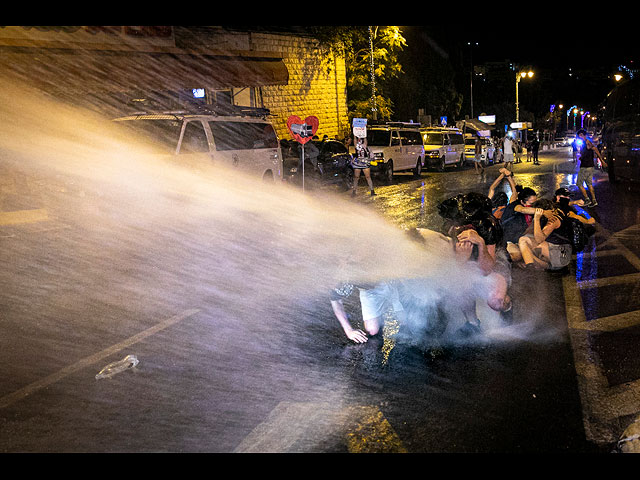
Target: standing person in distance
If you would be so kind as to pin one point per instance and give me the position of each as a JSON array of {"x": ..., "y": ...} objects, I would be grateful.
[
  {"x": 587, "y": 151},
  {"x": 361, "y": 162},
  {"x": 478, "y": 156},
  {"x": 508, "y": 152},
  {"x": 535, "y": 147},
  {"x": 517, "y": 149}
]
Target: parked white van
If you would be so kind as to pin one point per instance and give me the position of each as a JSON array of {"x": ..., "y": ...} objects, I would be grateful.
[
  {"x": 395, "y": 149},
  {"x": 246, "y": 143},
  {"x": 442, "y": 147}
]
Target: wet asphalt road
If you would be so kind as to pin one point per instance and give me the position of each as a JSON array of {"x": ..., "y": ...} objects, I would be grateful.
[{"x": 270, "y": 383}]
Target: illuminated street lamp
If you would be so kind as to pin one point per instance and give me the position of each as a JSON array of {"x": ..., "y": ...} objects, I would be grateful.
[{"x": 521, "y": 74}]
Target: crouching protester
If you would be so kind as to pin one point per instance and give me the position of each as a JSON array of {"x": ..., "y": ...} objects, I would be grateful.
[
  {"x": 549, "y": 248},
  {"x": 484, "y": 250},
  {"x": 374, "y": 301},
  {"x": 477, "y": 236}
]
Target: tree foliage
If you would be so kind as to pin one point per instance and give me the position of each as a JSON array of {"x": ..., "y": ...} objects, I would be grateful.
[{"x": 353, "y": 43}]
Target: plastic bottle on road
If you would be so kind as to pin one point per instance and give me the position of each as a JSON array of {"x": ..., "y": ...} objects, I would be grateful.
[{"x": 116, "y": 367}]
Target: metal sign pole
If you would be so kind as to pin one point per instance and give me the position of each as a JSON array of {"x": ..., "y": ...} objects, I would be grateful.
[{"x": 302, "y": 145}]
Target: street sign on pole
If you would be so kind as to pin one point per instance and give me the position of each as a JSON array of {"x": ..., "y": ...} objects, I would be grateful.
[
  {"x": 302, "y": 132},
  {"x": 360, "y": 127}
]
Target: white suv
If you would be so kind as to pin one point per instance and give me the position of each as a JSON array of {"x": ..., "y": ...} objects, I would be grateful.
[
  {"x": 442, "y": 147},
  {"x": 246, "y": 143},
  {"x": 395, "y": 149}
]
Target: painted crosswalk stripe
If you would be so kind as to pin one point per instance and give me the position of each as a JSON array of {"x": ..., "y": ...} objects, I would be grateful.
[
  {"x": 23, "y": 216},
  {"x": 92, "y": 359}
]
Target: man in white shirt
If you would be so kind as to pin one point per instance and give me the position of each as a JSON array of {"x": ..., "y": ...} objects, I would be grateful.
[{"x": 508, "y": 152}]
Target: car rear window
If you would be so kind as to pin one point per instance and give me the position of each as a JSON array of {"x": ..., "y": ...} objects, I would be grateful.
[
  {"x": 378, "y": 138},
  {"x": 162, "y": 134},
  {"x": 411, "y": 137},
  {"x": 231, "y": 135},
  {"x": 432, "y": 138}
]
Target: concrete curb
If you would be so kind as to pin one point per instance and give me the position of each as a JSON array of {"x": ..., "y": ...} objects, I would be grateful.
[{"x": 630, "y": 440}]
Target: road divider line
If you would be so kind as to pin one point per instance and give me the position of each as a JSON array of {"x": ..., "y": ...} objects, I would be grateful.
[
  {"x": 294, "y": 427},
  {"x": 608, "y": 281},
  {"x": 602, "y": 404},
  {"x": 92, "y": 359},
  {"x": 23, "y": 216},
  {"x": 611, "y": 323}
]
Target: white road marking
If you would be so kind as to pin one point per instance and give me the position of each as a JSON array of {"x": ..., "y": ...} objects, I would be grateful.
[
  {"x": 90, "y": 360},
  {"x": 602, "y": 405}
]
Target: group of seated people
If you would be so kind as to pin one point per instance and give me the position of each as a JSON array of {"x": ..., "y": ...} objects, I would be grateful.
[
  {"x": 538, "y": 233},
  {"x": 495, "y": 232}
]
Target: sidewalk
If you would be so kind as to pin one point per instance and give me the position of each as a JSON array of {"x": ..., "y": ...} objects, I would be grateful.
[{"x": 603, "y": 311}]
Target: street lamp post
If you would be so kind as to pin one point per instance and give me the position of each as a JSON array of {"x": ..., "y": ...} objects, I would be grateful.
[
  {"x": 471, "y": 74},
  {"x": 569, "y": 112},
  {"x": 521, "y": 74},
  {"x": 374, "y": 108}
]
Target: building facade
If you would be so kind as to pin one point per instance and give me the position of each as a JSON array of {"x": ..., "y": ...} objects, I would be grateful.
[{"x": 122, "y": 69}]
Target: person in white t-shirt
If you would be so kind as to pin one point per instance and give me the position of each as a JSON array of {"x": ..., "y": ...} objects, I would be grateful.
[{"x": 508, "y": 152}]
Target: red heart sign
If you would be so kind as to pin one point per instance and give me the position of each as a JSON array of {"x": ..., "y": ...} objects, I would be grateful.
[{"x": 310, "y": 121}]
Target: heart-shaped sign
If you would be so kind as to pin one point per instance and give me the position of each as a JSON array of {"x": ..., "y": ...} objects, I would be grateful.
[{"x": 311, "y": 122}]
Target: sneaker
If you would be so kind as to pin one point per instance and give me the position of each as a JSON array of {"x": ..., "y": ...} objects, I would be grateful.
[
  {"x": 373, "y": 193},
  {"x": 594, "y": 203},
  {"x": 587, "y": 203}
]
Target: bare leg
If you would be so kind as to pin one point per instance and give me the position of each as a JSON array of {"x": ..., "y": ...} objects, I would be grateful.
[
  {"x": 531, "y": 254},
  {"x": 356, "y": 178},
  {"x": 367, "y": 175},
  {"x": 514, "y": 252},
  {"x": 584, "y": 193}
]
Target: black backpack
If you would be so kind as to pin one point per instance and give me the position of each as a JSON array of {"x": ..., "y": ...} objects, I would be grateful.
[{"x": 579, "y": 234}]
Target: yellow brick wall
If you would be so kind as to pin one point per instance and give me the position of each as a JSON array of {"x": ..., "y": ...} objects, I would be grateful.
[{"x": 312, "y": 89}]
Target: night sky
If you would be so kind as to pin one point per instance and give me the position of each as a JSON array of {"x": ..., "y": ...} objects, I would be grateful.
[{"x": 573, "y": 65}]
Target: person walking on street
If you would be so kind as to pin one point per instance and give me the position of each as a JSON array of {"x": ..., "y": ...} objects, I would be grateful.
[
  {"x": 535, "y": 147},
  {"x": 587, "y": 151},
  {"x": 478, "y": 156}
]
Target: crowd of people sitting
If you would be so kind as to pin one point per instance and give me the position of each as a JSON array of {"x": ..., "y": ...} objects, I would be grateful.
[{"x": 498, "y": 232}]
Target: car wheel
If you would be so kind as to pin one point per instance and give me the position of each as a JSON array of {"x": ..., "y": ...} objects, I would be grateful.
[
  {"x": 460, "y": 162},
  {"x": 441, "y": 164},
  {"x": 418, "y": 170},
  {"x": 388, "y": 173}
]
